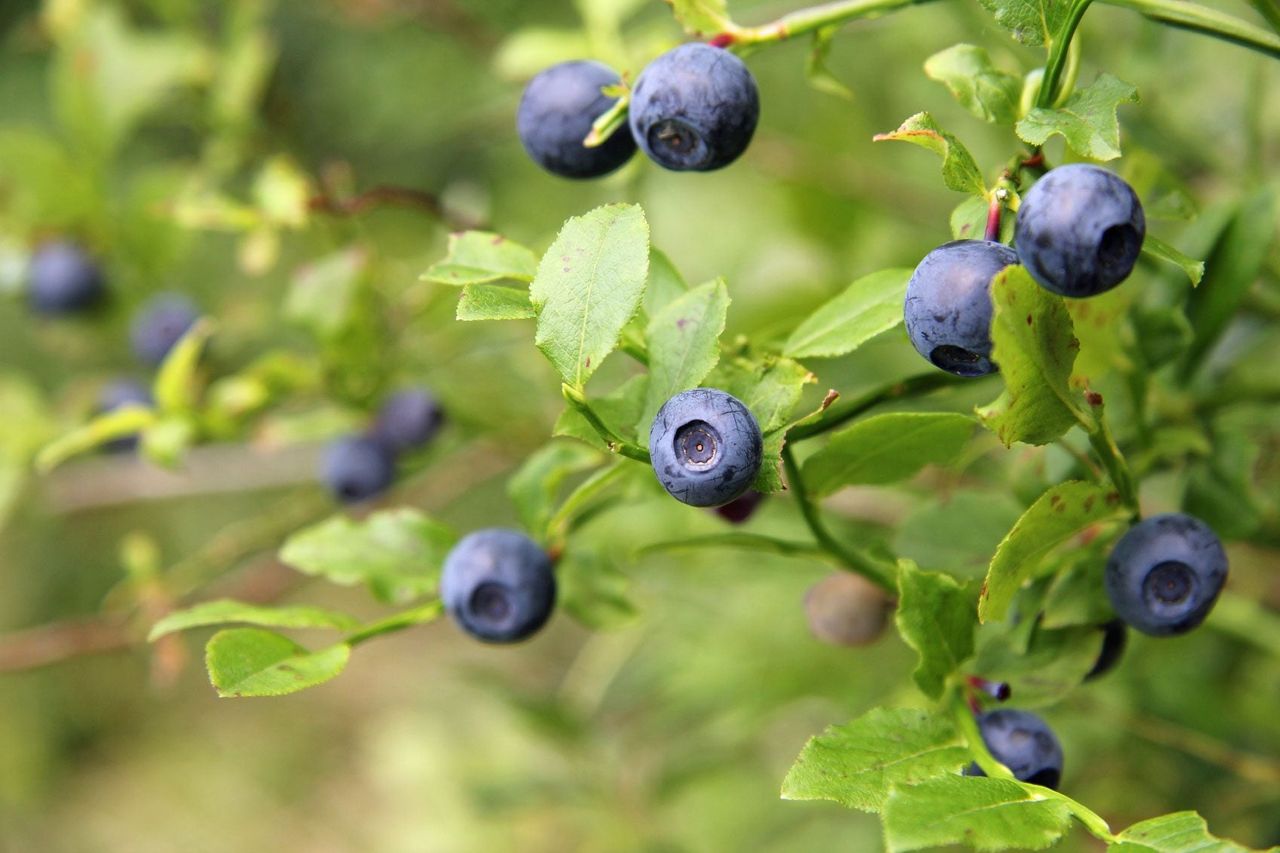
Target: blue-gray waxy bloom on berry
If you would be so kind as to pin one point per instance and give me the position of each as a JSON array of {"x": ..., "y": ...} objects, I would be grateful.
[
  {"x": 498, "y": 585},
  {"x": 706, "y": 447}
]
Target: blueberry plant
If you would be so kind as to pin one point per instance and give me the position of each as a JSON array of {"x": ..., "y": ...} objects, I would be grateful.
[{"x": 1052, "y": 323}]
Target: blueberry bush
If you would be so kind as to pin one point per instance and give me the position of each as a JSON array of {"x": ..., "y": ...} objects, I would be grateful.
[{"x": 609, "y": 329}]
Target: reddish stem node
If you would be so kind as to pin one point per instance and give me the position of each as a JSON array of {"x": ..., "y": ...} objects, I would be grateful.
[
  {"x": 993, "y": 220},
  {"x": 721, "y": 40}
]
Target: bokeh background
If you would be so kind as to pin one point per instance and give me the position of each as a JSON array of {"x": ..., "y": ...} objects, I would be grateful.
[{"x": 143, "y": 129}]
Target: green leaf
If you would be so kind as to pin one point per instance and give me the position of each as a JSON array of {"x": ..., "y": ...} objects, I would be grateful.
[
  {"x": 619, "y": 409},
  {"x": 684, "y": 345},
  {"x": 984, "y": 90},
  {"x": 588, "y": 286},
  {"x": 857, "y": 764},
  {"x": 958, "y": 535},
  {"x": 594, "y": 591},
  {"x": 225, "y": 610},
  {"x": 664, "y": 285},
  {"x": 177, "y": 384},
  {"x": 1163, "y": 251},
  {"x": 1180, "y": 832},
  {"x": 1052, "y": 664},
  {"x": 253, "y": 662},
  {"x": 476, "y": 257},
  {"x": 868, "y": 307},
  {"x": 1035, "y": 346},
  {"x": 969, "y": 221},
  {"x": 982, "y": 813},
  {"x": 887, "y": 448},
  {"x": 323, "y": 293},
  {"x": 815, "y": 65},
  {"x": 770, "y": 389},
  {"x": 397, "y": 553},
  {"x": 1059, "y": 514},
  {"x": 935, "y": 617},
  {"x": 1087, "y": 120},
  {"x": 769, "y": 480},
  {"x": 120, "y": 423},
  {"x": 1031, "y": 22},
  {"x": 702, "y": 18},
  {"x": 494, "y": 302},
  {"x": 959, "y": 171},
  {"x": 535, "y": 486}
]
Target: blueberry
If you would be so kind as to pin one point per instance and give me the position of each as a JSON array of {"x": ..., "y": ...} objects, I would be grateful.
[
  {"x": 357, "y": 468},
  {"x": 739, "y": 510},
  {"x": 408, "y": 420},
  {"x": 1022, "y": 742},
  {"x": 1165, "y": 573},
  {"x": 845, "y": 609},
  {"x": 948, "y": 308},
  {"x": 117, "y": 394},
  {"x": 63, "y": 279},
  {"x": 555, "y": 116},
  {"x": 498, "y": 585},
  {"x": 694, "y": 108},
  {"x": 1115, "y": 636},
  {"x": 159, "y": 324},
  {"x": 706, "y": 447},
  {"x": 1079, "y": 230}
]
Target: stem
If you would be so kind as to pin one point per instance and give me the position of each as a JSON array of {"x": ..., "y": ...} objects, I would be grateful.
[
  {"x": 809, "y": 20},
  {"x": 1058, "y": 54},
  {"x": 994, "y": 210},
  {"x": 1210, "y": 22},
  {"x": 1114, "y": 462},
  {"x": 616, "y": 443},
  {"x": 851, "y": 558},
  {"x": 1270, "y": 10},
  {"x": 396, "y": 622},
  {"x": 843, "y": 411}
]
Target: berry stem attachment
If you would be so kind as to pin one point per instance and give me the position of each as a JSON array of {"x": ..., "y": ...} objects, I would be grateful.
[
  {"x": 617, "y": 444},
  {"x": 851, "y": 558},
  {"x": 994, "y": 210}
]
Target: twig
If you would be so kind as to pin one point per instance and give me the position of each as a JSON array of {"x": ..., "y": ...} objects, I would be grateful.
[{"x": 390, "y": 196}]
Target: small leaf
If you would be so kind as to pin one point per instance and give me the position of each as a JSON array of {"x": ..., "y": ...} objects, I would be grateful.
[
  {"x": 887, "y": 448},
  {"x": 253, "y": 662},
  {"x": 398, "y": 552},
  {"x": 684, "y": 345},
  {"x": 984, "y": 90},
  {"x": 1035, "y": 346},
  {"x": 1059, "y": 514},
  {"x": 959, "y": 171},
  {"x": 119, "y": 423},
  {"x": 702, "y": 18},
  {"x": 1087, "y": 120},
  {"x": 983, "y": 813},
  {"x": 1032, "y": 22},
  {"x": 857, "y": 764},
  {"x": 815, "y": 65},
  {"x": 225, "y": 610},
  {"x": 494, "y": 302},
  {"x": 588, "y": 286},
  {"x": 177, "y": 384},
  {"x": 535, "y": 486},
  {"x": 868, "y": 307},
  {"x": 1180, "y": 832},
  {"x": 1163, "y": 251},
  {"x": 936, "y": 617},
  {"x": 476, "y": 257}
]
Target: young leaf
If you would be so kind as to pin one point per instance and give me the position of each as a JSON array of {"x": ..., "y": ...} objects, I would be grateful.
[
  {"x": 476, "y": 257},
  {"x": 494, "y": 302},
  {"x": 1087, "y": 120},
  {"x": 983, "y": 813},
  {"x": 254, "y": 662},
  {"x": 702, "y": 18},
  {"x": 984, "y": 90},
  {"x": 1180, "y": 832},
  {"x": 225, "y": 610},
  {"x": 887, "y": 448},
  {"x": 936, "y": 618},
  {"x": 959, "y": 171},
  {"x": 1035, "y": 347},
  {"x": 857, "y": 764},
  {"x": 869, "y": 306},
  {"x": 815, "y": 65},
  {"x": 398, "y": 552},
  {"x": 1032, "y": 22},
  {"x": 588, "y": 285},
  {"x": 684, "y": 345},
  {"x": 534, "y": 487},
  {"x": 1163, "y": 251},
  {"x": 176, "y": 386},
  {"x": 664, "y": 285},
  {"x": 1059, "y": 514}
]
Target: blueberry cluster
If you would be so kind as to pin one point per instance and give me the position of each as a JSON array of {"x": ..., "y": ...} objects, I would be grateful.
[
  {"x": 357, "y": 468},
  {"x": 1078, "y": 233},
  {"x": 693, "y": 109}
]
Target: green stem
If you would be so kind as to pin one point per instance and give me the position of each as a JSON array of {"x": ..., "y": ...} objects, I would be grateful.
[
  {"x": 396, "y": 622},
  {"x": 1058, "y": 54},
  {"x": 841, "y": 412},
  {"x": 1270, "y": 10},
  {"x": 815, "y": 18},
  {"x": 1114, "y": 462},
  {"x": 578, "y": 401},
  {"x": 851, "y": 558},
  {"x": 1210, "y": 22}
]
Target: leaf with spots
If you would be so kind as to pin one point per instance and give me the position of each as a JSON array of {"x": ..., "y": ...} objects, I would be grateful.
[
  {"x": 254, "y": 662},
  {"x": 959, "y": 171},
  {"x": 1087, "y": 120}
]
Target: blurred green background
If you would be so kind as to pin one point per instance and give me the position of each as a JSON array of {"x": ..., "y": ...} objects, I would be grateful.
[{"x": 142, "y": 128}]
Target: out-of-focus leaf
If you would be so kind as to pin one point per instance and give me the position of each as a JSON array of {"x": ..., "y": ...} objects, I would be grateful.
[
  {"x": 254, "y": 662},
  {"x": 984, "y": 90},
  {"x": 887, "y": 448},
  {"x": 225, "y": 611}
]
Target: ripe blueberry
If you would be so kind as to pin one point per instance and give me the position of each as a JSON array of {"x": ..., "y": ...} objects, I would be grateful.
[
  {"x": 694, "y": 108},
  {"x": 408, "y": 420},
  {"x": 159, "y": 324},
  {"x": 706, "y": 447},
  {"x": 1165, "y": 573},
  {"x": 117, "y": 394},
  {"x": 845, "y": 609},
  {"x": 1115, "y": 636},
  {"x": 739, "y": 510},
  {"x": 948, "y": 307},
  {"x": 498, "y": 585},
  {"x": 1079, "y": 230},
  {"x": 1022, "y": 742},
  {"x": 555, "y": 116},
  {"x": 63, "y": 279},
  {"x": 357, "y": 468}
]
